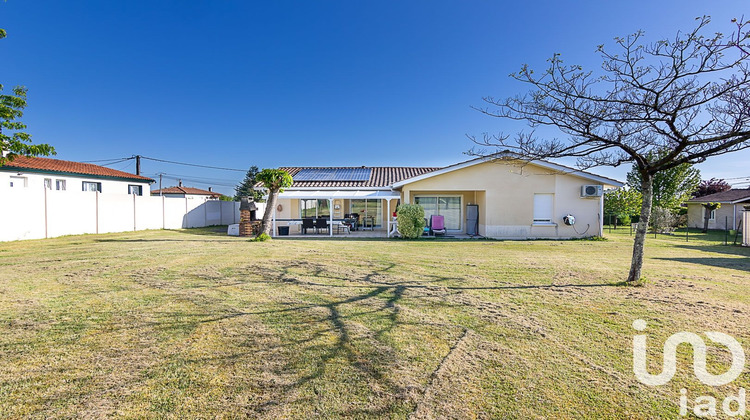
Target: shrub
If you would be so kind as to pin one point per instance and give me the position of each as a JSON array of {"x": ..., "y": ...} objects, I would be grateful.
[
  {"x": 261, "y": 238},
  {"x": 625, "y": 219},
  {"x": 663, "y": 220},
  {"x": 410, "y": 219}
]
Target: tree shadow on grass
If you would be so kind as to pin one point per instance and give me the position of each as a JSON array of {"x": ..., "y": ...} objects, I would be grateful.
[
  {"x": 740, "y": 264},
  {"x": 331, "y": 328},
  {"x": 718, "y": 249}
]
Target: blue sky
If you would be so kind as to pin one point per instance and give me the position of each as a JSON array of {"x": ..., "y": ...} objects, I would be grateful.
[{"x": 240, "y": 83}]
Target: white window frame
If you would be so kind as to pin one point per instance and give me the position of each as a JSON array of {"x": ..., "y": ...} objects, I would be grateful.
[
  {"x": 60, "y": 184},
  {"x": 711, "y": 217},
  {"x": 536, "y": 218},
  {"x": 48, "y": 184},
  {"x": 22, "y": 180},
  {"x": 437, "y": 198},
  {"x": 138, "y": 187},
  {"x": 98, "y": 186}
]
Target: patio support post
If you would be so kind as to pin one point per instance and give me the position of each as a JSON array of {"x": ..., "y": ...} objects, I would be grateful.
[
  {"x": 388, "y": 218},
  {"x": 330, "y": 217},
  {"x": 273, "y": 218}
]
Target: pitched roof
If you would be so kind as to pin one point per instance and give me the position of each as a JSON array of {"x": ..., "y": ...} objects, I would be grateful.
[
  {"x": 729, "y": 196},
  {"x": 380, "y": 177},
  {"x": 395, "y": 177},
  {"x": 46, "y": 165},
  {"x": 505, "y": 155},
  {"x": 186, "y": 191}
]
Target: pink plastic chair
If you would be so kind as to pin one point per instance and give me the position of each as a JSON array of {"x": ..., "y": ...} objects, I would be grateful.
[{"x": 437, "y": 225}]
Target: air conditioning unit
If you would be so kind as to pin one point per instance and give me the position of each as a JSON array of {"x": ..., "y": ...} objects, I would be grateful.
[{"x": 591, "y": 191}]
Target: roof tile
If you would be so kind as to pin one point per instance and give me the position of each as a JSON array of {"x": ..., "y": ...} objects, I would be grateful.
[
  {"x": 64, "y": 166},
  {"x": 186, "y": 191}
]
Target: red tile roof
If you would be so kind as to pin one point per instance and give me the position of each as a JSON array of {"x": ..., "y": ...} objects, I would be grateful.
[
  {"x": 186, "y": 191},
  {"x": 380, "y": 176},
  {"x": 40, "y": 164},
  {"x": 729, "y": 196}
]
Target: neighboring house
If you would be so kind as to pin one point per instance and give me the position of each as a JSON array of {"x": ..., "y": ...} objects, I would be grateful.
[
  {"x": 514, "y": 200},
  {"x": 190, "y": 192},
  {"x": 34, "y": 173},
  {"x": 728, "y": 216}
]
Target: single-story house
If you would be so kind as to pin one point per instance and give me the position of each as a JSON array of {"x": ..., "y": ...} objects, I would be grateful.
[
  {"x": 54, "y": 174},
  {"x": 497, "y": 197},
  {"x": 728, "y": 216},
  {"x": 182, "y": 192}
]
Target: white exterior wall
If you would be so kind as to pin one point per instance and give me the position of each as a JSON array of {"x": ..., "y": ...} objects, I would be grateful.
[
  {"x": 505, "y": 194},
  {"x": 73, "y": 183},
  {"x": 27, "y": 213}
]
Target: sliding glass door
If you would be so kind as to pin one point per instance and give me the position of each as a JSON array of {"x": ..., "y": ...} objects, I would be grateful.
[
  {"x": 444, "y": 205},
  {"x": 314, "y": 208},
  {"x": 369, "y": 208}
]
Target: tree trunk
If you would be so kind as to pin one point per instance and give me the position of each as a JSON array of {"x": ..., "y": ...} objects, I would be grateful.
[
  {"x": 706, "y": 219},
  {"x": 647, "y": 189},
  {"x": 267, "y": 223}
]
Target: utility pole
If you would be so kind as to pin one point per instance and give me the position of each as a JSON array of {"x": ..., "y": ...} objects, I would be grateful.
[
  {"x": 137, "y": 164},
  {"x": 160, "y": 175}
]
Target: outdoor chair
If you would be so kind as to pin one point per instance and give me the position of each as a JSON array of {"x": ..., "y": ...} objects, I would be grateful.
[
  {"x": 343, "y": 226},
  {"x": 426, "y": 230},
  {"x": 437, "y": 224},
  {"x": 307, "y": 223},
  {"x": 321, "y": 224},
  {"x": 355, "y": 224}
]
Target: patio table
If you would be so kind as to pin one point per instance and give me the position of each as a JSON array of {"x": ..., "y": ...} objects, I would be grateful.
[{"x": 296, "y": 223}]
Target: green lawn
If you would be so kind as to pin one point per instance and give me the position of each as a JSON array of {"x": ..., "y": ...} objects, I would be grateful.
[{"x": 196, "y": 324}]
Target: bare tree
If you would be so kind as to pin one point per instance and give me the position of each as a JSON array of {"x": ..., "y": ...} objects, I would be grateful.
[{"x": 689, "y": 95}]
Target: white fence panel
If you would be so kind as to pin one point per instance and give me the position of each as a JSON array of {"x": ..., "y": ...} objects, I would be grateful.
[
  {"x": 196, "y": 213},
  {"x": 116, "y": 213},
  {"x": 175, "y": 212},
  {"x": 213, "y": 213},
  {"x": 746, "y": 228},
  {"x": 148, "y": 211},
  {"x": 230, "y": 212},
  {"x": 39, "y": 213},
  {"x": 71, "y": 212},
  {"x": 21, "y": 214},
  {"x": 261, "y": 210}
]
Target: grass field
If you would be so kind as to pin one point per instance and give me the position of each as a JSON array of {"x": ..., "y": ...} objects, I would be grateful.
[{"x": 192, "y": 323}]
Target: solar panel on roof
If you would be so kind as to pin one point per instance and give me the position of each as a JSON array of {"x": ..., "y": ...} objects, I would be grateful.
[{"x": 333, "y": 174}]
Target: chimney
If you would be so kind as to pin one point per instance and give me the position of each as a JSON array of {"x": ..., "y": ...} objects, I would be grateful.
[
  {"x": 210, "y": 189},
  {"x": 179, "y": 183}
]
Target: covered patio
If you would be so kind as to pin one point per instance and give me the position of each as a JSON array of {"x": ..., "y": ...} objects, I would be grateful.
[{"x": 337, "y": 203}]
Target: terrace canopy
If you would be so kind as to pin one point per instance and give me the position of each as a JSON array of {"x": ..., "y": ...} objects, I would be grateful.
[{"x": 332, "y": 194}]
